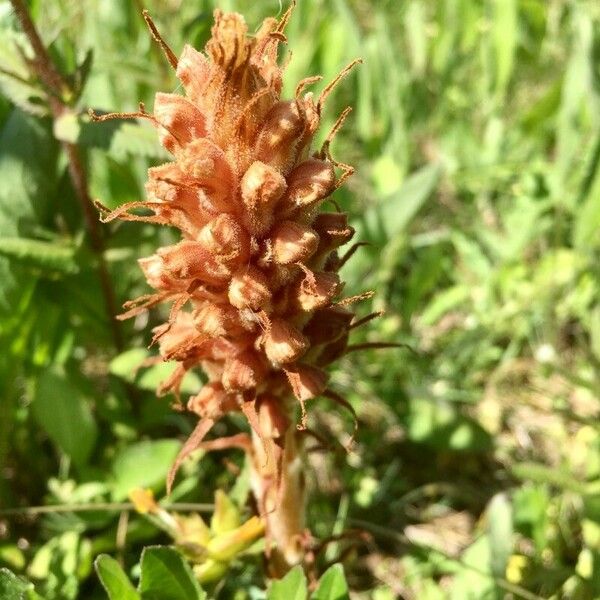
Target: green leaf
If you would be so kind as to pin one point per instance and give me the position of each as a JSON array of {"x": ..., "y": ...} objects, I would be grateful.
[
  {"x": 291, "y": 587},
  {"x": 415, "y": 26},
  {"x": 544, "y": 109},
  {"x": 137, "y": 140},
  {"x": 127, "y": 365},
  {"x": 439, "y": 424},
  {"x": 113, "y": 578},
  {"x": 144, "y": 465},
  {"x": 82, "y": 72},
  {"x": 542, "y": 474},
  {"x": 16, "y": 82},
  {"x": 500, "y": 526},
  {"x": 472, "y": 579},
  {"x": 15, "y": 588},
  {"x": 166, "y": 575},
  {"x": 332, "y": 585},
  {"x": 38, "y": 254},
  {"x": 587, "y": 213},
  {"x": 13, "y": 556},
  {"x": 397, "y": 212},
  {"x": 505, "y": 27},
  {"x": 65, "y": 414},
  {"x": 121, "y": 139},
  {"x": 27, "y": 188}
]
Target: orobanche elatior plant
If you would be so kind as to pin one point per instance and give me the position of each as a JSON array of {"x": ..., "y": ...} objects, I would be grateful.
[{"x": 253, "y": 286}]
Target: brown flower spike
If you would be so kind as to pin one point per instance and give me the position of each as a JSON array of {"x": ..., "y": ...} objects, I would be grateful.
[{"x": 253, "y": 283}]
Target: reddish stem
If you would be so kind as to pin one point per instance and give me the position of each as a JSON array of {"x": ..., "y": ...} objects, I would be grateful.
[{"x": 57, "y": 87}]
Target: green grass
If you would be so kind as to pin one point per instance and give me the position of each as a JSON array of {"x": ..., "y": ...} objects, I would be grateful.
[{"x": 476, "y": 138}]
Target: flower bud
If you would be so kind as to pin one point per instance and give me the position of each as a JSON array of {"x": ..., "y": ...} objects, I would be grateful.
[
  {"x": 225, "y": 347},
  {"x": 283, "y": 343},
  {"x": 277, "y": 141},
  {"x": 157, "y": 276},
  {"x": 333, "y": 350},
  {"x": 216, "y": 320},
  {"x": 292, "y": 242},
  {"x": 307, "y": 382},
  {"x": 181, "y": 121},
  {"x": 261, "y": 187},
  {"x": 191, "y": 260},
  {"x": 272, "y": 420},
  {"x": 282, "y": 275},
  {"x": 333, "y": 230},
  {"x": 317, "y": 290},
  {"x": 308, "y": 184},
  {"x": 192, "y": 70},
  {"x": 228, "y": 45},
  {"x": 249, "y": 289},
  {"x": 226, "y": 240},
  {"x": 178, "y": 338},
  {"x": 169, "y": 185},
  {"x": 209, "y": 170},
  {"x": 328, "y": 324},
  {"x": 243, "y": 372},
  {"x": 212, "y": 401}
]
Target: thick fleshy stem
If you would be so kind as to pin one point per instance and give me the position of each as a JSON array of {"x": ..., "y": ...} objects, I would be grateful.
[{"x": 281, "y": 494}]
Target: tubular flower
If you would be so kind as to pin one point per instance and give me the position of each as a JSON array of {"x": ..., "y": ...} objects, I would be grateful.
[{"x": 253, "y": 284}]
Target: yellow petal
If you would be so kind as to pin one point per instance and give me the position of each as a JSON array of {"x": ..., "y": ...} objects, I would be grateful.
[
  {"x": 192, "y": 530},
  {"x": 226, "y": 546},
  {"x": 226, "y": 516},
  {"x": 143, "y": 501},
  {"x": 210, "y": 570}
]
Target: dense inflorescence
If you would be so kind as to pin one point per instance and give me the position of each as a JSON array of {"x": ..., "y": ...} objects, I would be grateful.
[{"x": 253, "y": 283}]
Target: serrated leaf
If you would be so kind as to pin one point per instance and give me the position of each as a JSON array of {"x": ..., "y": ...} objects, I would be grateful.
[
  {"x": 82, "y": 72},
  {"x": 332, "y": 585},
  {"x": 15, "y": 78},
  {"x": 39, "y": 254},
  {"x": 143, "y": 465},
  {"x": 292, "y": 587},
  {"x": 166, "y": 575},
  {"x": 15, "y": 588},
  {"x": 121, "y": 138},
  {"x": 64, "y": 413},
  {"x": 137, "y": 140},
  {"x": 113, "y": 578}
]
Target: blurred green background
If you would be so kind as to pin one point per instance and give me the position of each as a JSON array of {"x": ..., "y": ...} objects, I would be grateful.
[{"x": 476, "y": 139}]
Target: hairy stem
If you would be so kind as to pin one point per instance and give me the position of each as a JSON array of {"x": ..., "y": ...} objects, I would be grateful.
[{"x": 280, "y": 492}]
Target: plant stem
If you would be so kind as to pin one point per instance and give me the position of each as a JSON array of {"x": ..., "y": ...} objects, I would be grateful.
[
  {"x": 57, "y": 89},
  {"x": 280, "y": 492},
  {"x": 101, "y": 506}
]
